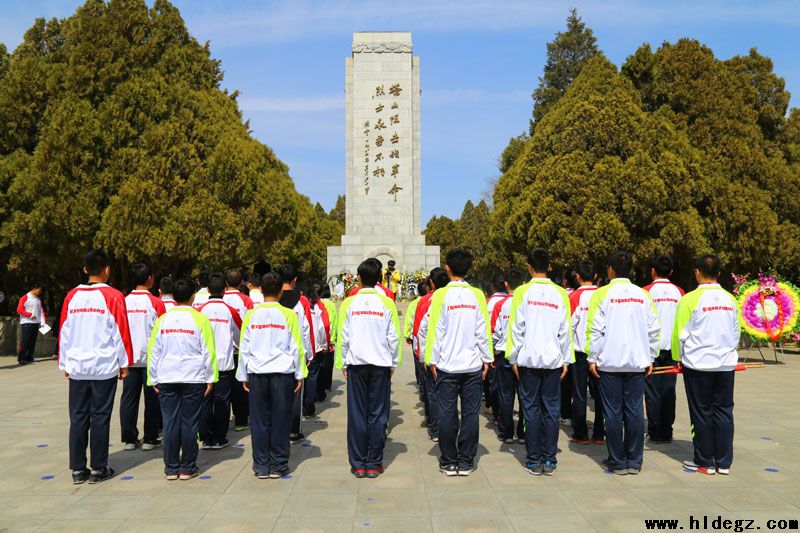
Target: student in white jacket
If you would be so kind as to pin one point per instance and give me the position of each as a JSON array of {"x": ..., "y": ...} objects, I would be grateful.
[
  {"x": 704, "y": 340},
  {"x": 622, "y": 341},
  {"x": 272, "y": 366},
  {"x": 143, "y": 310},
  {"x": 94, "y": 350},
  {"x": 182, "y": 367},
  {"x": 31, "y": 318},
  {"x": 659, "y": 392},
  {"x": 458, "y": 350},
  {"x": 368, "y": 351},
  {"x": 507, "y": 381},
  {"x": 539, "y": 348},
  {"x": 226, "y": 323}
]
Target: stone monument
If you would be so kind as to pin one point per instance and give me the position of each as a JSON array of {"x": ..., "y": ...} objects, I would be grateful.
[{"x": 382, "y": 144}]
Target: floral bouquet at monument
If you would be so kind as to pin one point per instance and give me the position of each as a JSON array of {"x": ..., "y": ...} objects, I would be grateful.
[{"x": 769, "y": 308}]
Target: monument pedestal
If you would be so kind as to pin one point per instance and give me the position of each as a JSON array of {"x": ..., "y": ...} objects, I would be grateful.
[{"x": 382, "y": 160}]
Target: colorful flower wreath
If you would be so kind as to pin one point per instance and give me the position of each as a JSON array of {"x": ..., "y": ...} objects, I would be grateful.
[{"x": 769, "y": 309}]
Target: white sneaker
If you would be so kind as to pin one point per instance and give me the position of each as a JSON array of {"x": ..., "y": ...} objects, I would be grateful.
[
  {"x": 464, "y": 472},
  {"x": 147, "y": 446},
  {"x": 723, "y": 471},
  {"x": 693, "y": 467},
  {"x": 130, "y": 446}
]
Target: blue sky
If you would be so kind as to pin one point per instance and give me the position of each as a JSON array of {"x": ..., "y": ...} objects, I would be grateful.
[{"x": 480, "y": 60}]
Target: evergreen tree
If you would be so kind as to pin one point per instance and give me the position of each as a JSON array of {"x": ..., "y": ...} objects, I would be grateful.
[
  {"x": 116, "y": 133},
  {"x": 599, "y": 174},
  {"x": 566, "y": 55},
  {"x": 338, "y": 211}
]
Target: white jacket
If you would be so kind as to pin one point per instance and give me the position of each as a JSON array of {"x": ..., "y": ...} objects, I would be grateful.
[
  {"x": 623, "y": 328},
  {"x": 539, "y": 326},
  {"x": 458, "y": 337},
  {"x": 271, "y": 343},
  {"x": 369, "y": 331},
  {"x": 226, "y": 324},
  {"x": 95, "y": 340},
  {"x": 143, "y": 311},
  {"x": 666, "y": 296},
  {"x": 200, "y": 297},
  {"x": 256, "y": 296},
  {"x": 169, "y": 302},
  {"x": 706, "y": 331},
  {"x": 499, "y": 318},
  {"x": 30, "y": 310},
  {"x": 579, "y": 302},
  {"x": 182, "y": 348},
  {"x": 320, "y": 337}
]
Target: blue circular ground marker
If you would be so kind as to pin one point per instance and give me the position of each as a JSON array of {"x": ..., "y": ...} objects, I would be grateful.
[
  {"x": 126, "y": 478},
  {"x": 47, "y": 477},
  {"x": 205, "y": 477},
  {"x": 370, "y": 499},
  {"x": 766, "y": 438},
  {"x": 287, "y": 476},
  {"x": 238, "y": 445},
  {"x": 604, "y": 471},
  {"x": 771, "y": 470},
  {"x": 366, "y": 524},
  {"x": 305, "y": 444},
  {"x": 41, "y": 445}
]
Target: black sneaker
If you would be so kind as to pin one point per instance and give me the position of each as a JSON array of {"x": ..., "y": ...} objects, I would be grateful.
[
  {"x": 98, "y": 476},
  {"x": 294, "y": 438},
  {"x": 548, "y": 468},
  {"x": 80, "y": 476},
  {"x": 372, "y": 473},
  {"x": 360, "y": 473},
  {"x": 449, "y": 470}
]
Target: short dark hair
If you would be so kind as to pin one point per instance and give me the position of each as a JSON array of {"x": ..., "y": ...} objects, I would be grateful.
[
  {"x": 515, "y": 277},
  {"x": 368, "y": 273},
  {"x": 438, "y": 277},
  {"x": 324, "y": 290},
  {"x": 202, "y": 278},
  {"x": 182, "y": 290},
  {"x": 391, "y": 262},
  {"x": 165, "y": 285},
  {"x": 139, "y": 273},
  {"x": 570, "y": 276},
  {"x": 309, "y": 290},
  {"x": 709, "y": 265},
  {"x": 262, "y": 267},
  {"x": 498, "y": 282},
  {"x": 95, "y": 262},
  {"x": 539, "y": 260},
  {"x": 586, "y": 270},
  {"x": 233, "y": 277},
  {"x": 376, "y": 262},
  {"x": 621, "y": 262},
  {"x": 216, "y": 283},
  {"x": 422, "y": 288},
  {"x": 662, "y": 264},
  {"x": 271, "y": 284},
  {"x": 35, "y": 285},
  {"x": 254, "y": 280},
  {"x": 459, "y": 260},
  {"x": 288, "y": 272}
]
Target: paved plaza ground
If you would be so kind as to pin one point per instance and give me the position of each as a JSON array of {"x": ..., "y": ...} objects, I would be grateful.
[{"x": 321, "y": 495}]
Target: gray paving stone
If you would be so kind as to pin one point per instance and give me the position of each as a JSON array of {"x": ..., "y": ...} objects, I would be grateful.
[{"x": 412, "y": 495}]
